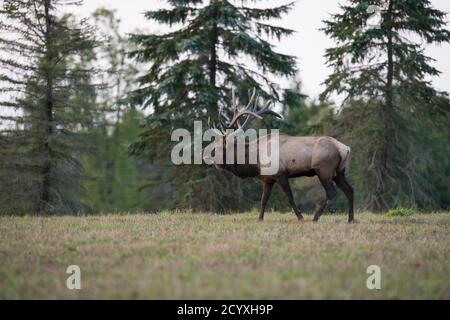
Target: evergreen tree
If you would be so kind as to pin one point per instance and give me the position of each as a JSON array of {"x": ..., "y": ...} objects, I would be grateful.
[
  {"x": 191, "y": 73},
  {"x": 42, "y": 121},
  {"x": 119, "y": 72},
  {"x": 114, "y": 179},
  {"x": 385, "y": 69}
]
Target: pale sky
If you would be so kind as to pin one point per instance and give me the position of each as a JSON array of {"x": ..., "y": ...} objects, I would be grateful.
[{"x": 308, "y": 43}]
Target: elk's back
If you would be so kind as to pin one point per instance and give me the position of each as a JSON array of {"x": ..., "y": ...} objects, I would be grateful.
[{"x": 307, "y": 156}]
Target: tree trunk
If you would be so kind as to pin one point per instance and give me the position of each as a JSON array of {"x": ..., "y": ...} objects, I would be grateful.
[
  {"x": 212, "y": 65},
  {"x": 381, "y": 159},
  {"x": 48, "y": 116}
]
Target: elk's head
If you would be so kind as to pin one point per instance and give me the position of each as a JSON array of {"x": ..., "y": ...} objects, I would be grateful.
[{"x": 229, "y": 129}]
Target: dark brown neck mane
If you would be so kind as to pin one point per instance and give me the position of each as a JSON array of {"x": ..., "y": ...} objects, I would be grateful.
[{"x": 242, "y": 170}]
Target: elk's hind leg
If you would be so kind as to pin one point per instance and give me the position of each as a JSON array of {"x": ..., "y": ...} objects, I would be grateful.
[
  {"x": 342, "y": 183},
  {"x": 267, "y": 190},
  {"x": 284, "y": 183},
  {"x": 330, "y": 190}
]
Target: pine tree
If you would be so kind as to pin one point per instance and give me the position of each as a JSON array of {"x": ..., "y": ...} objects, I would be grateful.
[
  {"x": 385, "y": 71},
  {"x": 42, "y": 122},
  {"x": 191, "y": 73},
  {"x": 114, "y": 179}
]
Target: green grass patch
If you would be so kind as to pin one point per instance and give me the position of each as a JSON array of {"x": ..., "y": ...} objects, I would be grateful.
[{"x": 400, "y": 212}]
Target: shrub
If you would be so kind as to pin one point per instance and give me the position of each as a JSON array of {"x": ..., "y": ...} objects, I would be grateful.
[{"x": 400, "y": 212}]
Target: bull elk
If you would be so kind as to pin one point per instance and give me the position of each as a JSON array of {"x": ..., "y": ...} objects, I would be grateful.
[{"x": 322, "y": 156}]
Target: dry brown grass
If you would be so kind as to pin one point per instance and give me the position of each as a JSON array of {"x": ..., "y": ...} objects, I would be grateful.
[{"x": 208, "y": 256}]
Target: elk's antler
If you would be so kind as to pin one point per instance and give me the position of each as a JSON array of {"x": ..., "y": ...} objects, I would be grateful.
[
  {"x": 251, "y": 113},
  {"x": 235, "y": 110},
  {"x": 212, "y": 125}
]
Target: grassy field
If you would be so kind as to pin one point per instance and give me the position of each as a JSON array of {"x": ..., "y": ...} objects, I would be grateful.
[{"x": 193, "y": 256}]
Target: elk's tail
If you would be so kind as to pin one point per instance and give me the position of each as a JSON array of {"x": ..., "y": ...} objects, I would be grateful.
[{"x": 344, "y": 152}]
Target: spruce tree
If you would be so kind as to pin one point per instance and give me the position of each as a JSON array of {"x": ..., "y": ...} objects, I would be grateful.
[
  {"x": 214, "y": 46},
  {"x": 383, "y": 69},
  {"x": 114, "y": 178},
  {"x": 42, "y": 121}
]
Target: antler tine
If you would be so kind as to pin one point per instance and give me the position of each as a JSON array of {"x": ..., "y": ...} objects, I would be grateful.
[
  {"x": 247, "y": 110},
  {"x": 236, "y": 113},
  {"x": 221, "y": 126},
  {"x": 250, "y": 118},
  {"x": 251, "y": 99},
  {"x": 259, "y": 114},
  {"x": 258, "y": 98},
  {"x": 233, "y": 98},
  {"x": 224, "y": 115},
  {"x": 234, "y": 106},
  {"x": 267, "y": 110},
  {"x": 233, "y": 101},
  {"x": 220, "y": 129},
  {"x": 246, "y": 122},
  {"x": 250, "y": 114}
]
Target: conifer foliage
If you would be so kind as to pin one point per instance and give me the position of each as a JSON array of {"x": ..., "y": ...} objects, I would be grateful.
[
  {"x": 42, "y": 120},
  {"x": 213, "y": 46},
  {"x": 194, "y": 67},
  {"x": 384, "y": 70}
]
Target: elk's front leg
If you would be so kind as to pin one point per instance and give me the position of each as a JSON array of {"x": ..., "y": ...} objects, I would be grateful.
[
  {"x": 267, "y": 190},
  {"x": 284, "y": 183}
]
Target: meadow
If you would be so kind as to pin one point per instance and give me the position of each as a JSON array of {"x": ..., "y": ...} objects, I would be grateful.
[{"x": 206, "y": 256}]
